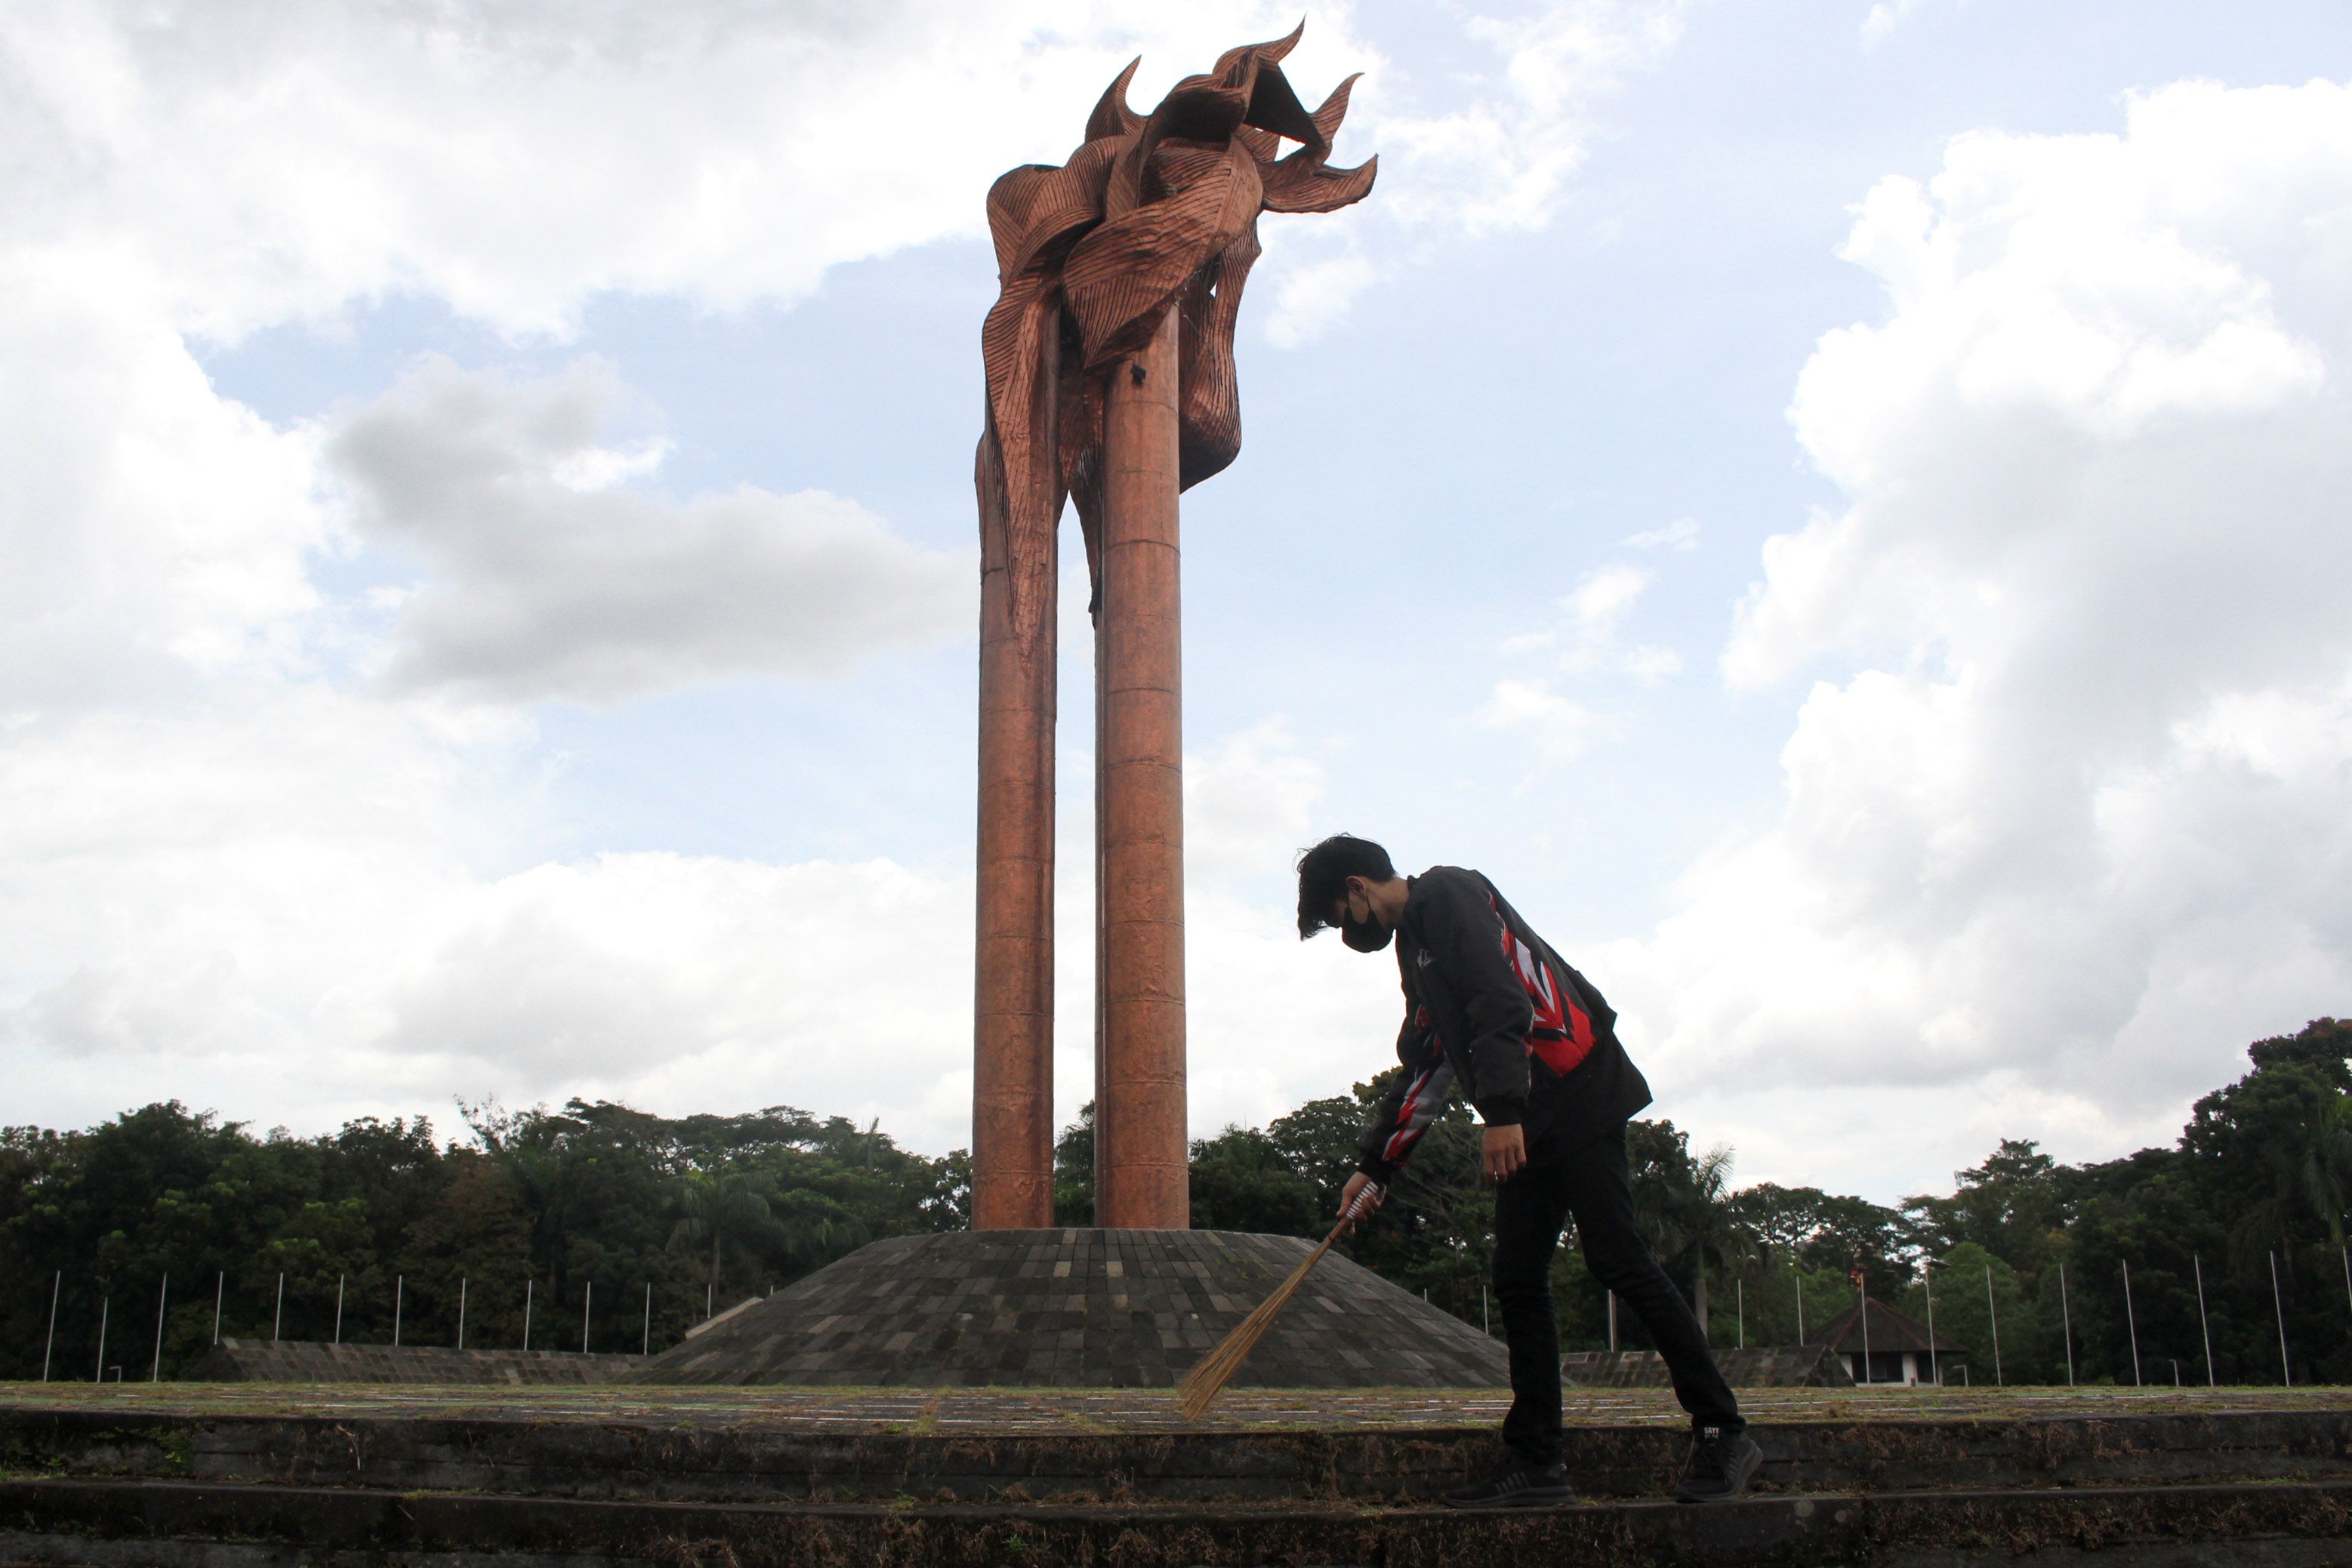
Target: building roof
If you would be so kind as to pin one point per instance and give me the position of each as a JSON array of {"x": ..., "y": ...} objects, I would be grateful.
[{"x": 1889, "y": 1331}]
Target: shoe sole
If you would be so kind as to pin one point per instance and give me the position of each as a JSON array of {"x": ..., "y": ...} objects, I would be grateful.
[
  {"x": 1549, "y": 1498},
  {"x": 1750, "y": 1461}
]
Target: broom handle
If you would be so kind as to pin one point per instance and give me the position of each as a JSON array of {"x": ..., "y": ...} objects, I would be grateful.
[
  {"x": 1370, "y": 1191},
  {"x": 1353, "y": 1212}
]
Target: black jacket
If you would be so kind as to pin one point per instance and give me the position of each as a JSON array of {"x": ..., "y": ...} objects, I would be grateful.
[{"x": 1488, "y": 1005}]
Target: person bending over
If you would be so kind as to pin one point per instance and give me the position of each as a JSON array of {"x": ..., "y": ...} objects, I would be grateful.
[{"x": 1490, "y": 1009}]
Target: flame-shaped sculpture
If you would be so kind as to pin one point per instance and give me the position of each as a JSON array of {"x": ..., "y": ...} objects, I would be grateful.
[
  {"x": 1150, "y": 212},
  {"x": 1122, "y": 273}
]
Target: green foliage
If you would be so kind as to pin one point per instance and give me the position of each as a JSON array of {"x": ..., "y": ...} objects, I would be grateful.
[
  {"x": 1975, "y": 1292},
  {"x": 1074, "y": 1170},
  {"x": 538, "y": 1206},
  {"x": 1686, "y": 1212},
  {"x": 1318, "y": 1140},
  {"x": 1241, "y": 1182},
  {"x": 2014, "y": 1205},
  {"x": 541, "y": 1205},
  {"x": 1433, "y": 1234},
  {"x": 1764, "y": 1301},
  {"x": 1829, "y": 1233}
]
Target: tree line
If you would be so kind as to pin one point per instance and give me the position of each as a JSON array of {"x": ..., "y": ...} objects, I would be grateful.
[
  {"x": 2257, "y": 1184},
  {"x": 541, "y": 1211},
  {"x": 538, "y": 1211}
]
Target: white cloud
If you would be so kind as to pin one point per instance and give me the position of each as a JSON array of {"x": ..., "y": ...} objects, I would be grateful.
[
  {"x": 545, "y": 580},
  {"x": 1597, "y": 611},
  {"x": 233, "y": 874},
  {"x": 2066, "y": 804},
  {"x": 2066, "y": 812},
  {"x": 681, "y": 980},
  {"x": 1592, "y": 614},
  {"x": 1560, "y": 727},
  {"x": 227, "y": 877},
  {"x": 1585, "y": 648},
  {"x": 1884, "y": 17},
  {"x": 227, "y": 874},
  {"x": 1503, "y": 160},
  {"x": 516, "y": 160},
  {"x": 1489, "y": 149},
  {"x": 184, "y": 174},
  {"x": 1272, "y": 1021},
  {"x": 1316, "y": 295},
  {"x": 1600, "y": 604},
  {"x": 155, "y": 534},
  {"x": 1249, "y": 800},
  {"x": 1680, "y": 536},
  {"x": 590, "y": 468},
  {"x": 270, "y": 910}
]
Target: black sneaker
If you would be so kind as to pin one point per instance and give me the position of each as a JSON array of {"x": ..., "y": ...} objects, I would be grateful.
[
  {"x": 1516, "y": 1484},
  {"x": 1719, "y": 1465}
]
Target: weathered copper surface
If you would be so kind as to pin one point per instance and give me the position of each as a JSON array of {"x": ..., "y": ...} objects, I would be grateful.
[
  {"x": 1012, "y": 1012},
  {"x": 1130, "y": 257},
  {"x": 1141, "y": 1176}
]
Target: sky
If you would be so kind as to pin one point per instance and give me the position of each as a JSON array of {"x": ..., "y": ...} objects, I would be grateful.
[{"x": 1839, "y": 506}]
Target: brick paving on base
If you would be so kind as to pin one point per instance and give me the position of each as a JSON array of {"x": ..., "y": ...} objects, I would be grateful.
[
  {"x": 1109, "y": 1411},
  {"x": 1080, "y": 1308}
]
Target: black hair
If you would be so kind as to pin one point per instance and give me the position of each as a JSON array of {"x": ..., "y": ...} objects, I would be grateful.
[{"x": 1323, "y": 874}]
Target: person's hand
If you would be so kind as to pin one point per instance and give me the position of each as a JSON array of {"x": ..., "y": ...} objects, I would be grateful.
[
  {"x": 1356, "y": 1184},
  {"x": 1504, "y": 1152}
]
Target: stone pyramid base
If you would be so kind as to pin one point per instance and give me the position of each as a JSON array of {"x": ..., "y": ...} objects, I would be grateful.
[{"x": 1101, "y": 1309}]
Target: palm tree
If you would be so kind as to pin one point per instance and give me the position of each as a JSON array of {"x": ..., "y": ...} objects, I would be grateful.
[
  {"x": 1689, "y": 1217},
  {"x": 718, "y": 1207},
  {"x": 2320, "y": 1169},
  {"x": 2311, "y": 1171},
  {"x": 813, "y": 1228}
]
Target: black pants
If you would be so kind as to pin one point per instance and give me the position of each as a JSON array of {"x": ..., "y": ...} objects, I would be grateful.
[{"x": 1590, "y": 1181}]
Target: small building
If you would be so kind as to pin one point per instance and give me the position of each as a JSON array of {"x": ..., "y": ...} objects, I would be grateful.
[{"x": 1890, "y": 1347}]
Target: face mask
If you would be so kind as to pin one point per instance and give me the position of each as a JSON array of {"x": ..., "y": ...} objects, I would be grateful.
[{"x": 1368, "y": 937}]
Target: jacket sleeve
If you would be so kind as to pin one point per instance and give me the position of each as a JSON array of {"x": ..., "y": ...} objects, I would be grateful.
[
  {"x": 1464, "y": 933},
  {"x": 1408, "y": 1109}
]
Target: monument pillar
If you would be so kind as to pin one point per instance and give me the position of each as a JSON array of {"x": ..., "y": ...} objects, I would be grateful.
[
  {"x": 1013, "y": 1004},
  {"x": 1141, "y": 1172},
  {"x": 1109, "y": 361}
]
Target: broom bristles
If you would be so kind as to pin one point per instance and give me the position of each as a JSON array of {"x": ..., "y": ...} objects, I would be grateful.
[{"x": 1209, "y": 1376}]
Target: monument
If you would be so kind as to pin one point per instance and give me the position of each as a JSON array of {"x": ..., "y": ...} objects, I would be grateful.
[{"x": 1110, "y": 359}]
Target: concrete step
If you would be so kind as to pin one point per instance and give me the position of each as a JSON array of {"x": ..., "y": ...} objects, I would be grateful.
[
  {"x": 186, "y": 1525},
  {"x": 743, "y": 1461}
]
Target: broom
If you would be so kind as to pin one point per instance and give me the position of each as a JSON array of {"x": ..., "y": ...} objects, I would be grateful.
[{"x": 1209, "y": 1376}]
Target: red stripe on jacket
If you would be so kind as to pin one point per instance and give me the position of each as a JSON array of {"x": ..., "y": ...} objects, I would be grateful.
[{"x": 1561, "y": 1037}]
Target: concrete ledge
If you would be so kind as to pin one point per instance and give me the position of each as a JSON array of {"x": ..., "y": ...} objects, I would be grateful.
[
  {"x": 750, "y": 1461},
  {"x": 84, "y": 1522},
  {"x": 305, "y": 1361},
  {"x": 1767, "y": 1366}
]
